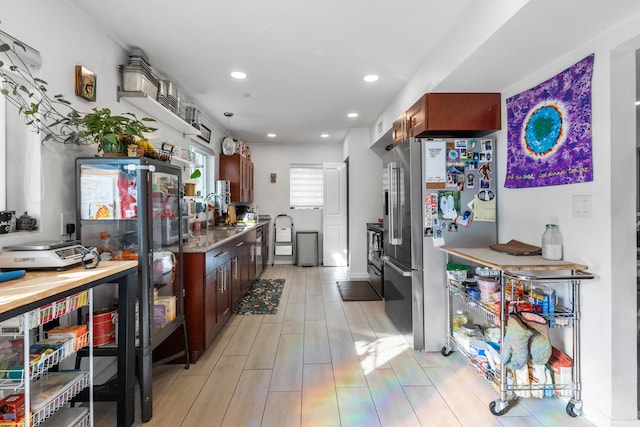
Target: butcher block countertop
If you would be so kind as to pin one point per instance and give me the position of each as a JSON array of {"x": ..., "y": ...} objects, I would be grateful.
[
  {"x": 506, "y": 262},
  {"x": 37, "y": 286}
]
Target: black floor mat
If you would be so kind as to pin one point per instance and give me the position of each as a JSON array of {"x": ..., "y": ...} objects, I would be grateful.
[{"x": 359, "y": 290}]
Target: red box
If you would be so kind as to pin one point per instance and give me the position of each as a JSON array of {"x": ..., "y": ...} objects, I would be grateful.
[{"x": 12, "y": 407}]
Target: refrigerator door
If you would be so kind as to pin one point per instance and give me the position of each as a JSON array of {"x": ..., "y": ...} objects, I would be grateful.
[
  {"x": 403, "y": 281},
  {"x": 398, "y": 216},
  {"x": 480, "y": 233}
]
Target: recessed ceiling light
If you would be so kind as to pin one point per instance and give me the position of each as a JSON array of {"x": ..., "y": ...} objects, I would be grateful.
[
  {"x": 324, "y": 135},
  {"x": 271, "y": 135},
  {"x": 370, "y": 78},
  {"x": 352, "y": 115},
  {"x": 238, "y": 75}
]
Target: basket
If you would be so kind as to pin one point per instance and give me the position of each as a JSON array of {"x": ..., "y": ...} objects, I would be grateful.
[{"x": 164, "y": 153}]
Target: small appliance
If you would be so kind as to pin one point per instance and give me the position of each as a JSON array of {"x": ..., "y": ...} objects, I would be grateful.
[{"x": 44, "y": 255}]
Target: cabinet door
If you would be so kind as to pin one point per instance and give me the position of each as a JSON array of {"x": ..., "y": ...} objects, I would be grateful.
[
  {"x": 223, "y": 293},
  {"x": 235, "y": 279},
  {"x": 211, "y": 321},
  {"x": 398, "y": 130},
  {"x": 250, "y": 181},
  {"x": 416, "y": 117}
]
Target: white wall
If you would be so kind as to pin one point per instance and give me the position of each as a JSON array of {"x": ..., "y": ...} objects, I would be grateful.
[
  {"x": 365, "y": 197},
  {"x": 66, "y": 38},
  {"x": 606, "y": 241},
  {"x": 273, "y": 199}
]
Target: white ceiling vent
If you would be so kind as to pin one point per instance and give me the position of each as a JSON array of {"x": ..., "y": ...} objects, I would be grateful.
[{"x": 380, "y": 128}]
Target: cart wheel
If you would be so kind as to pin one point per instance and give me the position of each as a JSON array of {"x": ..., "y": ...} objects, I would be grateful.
[
  {"x": 571, "y": 410},
  {"x": 445, "y": 351},
  {"x": 494, "y": 411}
]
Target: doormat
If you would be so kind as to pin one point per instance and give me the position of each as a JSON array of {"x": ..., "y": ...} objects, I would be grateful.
[
  {"x": 262, "y": 298},
  {"x": 357, "y": 290}
]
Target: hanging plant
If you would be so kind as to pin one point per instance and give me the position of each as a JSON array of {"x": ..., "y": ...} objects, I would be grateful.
[{"x": 53, "y": 116}]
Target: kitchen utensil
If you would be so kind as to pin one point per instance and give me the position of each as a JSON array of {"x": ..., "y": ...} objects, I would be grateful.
[{"x": 25, "y": 223}]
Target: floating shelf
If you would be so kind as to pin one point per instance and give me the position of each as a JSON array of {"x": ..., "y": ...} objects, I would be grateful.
[
  {"x": 157, "y": 111},
  {"x": 184, "y": 162}
]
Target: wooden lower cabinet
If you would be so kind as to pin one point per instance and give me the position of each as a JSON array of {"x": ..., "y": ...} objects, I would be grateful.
[{"x": 214, "y": 283}]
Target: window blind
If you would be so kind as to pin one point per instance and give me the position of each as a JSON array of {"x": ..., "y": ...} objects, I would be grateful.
[{"x": 306, "y": 185}]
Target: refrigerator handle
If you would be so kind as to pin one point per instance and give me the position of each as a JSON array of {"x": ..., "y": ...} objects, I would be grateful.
[
  {"x": 395, "y": 218},
  {"x": 390, "y": 263}
]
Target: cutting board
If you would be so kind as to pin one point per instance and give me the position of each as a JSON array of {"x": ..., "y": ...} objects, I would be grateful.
[{"x": 231, "y": 213}]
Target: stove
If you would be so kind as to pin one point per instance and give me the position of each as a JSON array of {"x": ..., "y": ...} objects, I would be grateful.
[{"x": 375, "y": 249}]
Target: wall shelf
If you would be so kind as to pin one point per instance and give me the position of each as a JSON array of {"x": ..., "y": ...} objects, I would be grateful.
[
  {"x": 157, "y": 111},
  {"x": 184, "y": 163}
]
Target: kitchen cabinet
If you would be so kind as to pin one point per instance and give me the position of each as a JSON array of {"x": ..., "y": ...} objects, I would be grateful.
[
  {"x": 215, "y": 282},
  {"x": 205, "y": 298},
  {"x": 238, "y": 170},
  {"x": 454, "y": 114},
  {"x": 398, "y": 130}
]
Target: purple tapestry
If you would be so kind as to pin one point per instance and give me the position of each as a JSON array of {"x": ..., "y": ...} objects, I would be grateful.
[{"x": 549, "y": 131}]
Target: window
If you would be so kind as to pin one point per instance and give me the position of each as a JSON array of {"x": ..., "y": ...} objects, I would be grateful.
[
  {"x": 203, "y": 184},
  {"x": 306, "y": 185}
]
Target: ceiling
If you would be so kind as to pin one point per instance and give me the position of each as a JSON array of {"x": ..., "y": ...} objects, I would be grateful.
[{"x": 305, "y": 60}]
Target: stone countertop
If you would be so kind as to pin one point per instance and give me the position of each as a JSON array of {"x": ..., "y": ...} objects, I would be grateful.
[{"x": 205, "y": 240}]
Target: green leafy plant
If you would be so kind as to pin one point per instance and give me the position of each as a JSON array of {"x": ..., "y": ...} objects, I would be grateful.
[
  {"x": 102, "y": 127},
  {"x": 54, "y": 116},
  {"x": 195, "y": 174}
]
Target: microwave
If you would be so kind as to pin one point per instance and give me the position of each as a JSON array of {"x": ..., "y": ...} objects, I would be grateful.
[{"x": 166, "y": 230}]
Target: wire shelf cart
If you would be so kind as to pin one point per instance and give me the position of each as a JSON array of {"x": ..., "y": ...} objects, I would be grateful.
[
  {"x": 283, "y": 247},
  {"x": 556, "y": 285}
]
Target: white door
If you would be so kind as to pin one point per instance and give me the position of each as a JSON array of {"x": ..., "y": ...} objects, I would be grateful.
[{"x": 334, "y": 252}]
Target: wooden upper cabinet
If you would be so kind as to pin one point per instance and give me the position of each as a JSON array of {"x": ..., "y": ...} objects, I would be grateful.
[
  {"x": 454, "y": 114},
  {"x": 238, "y": 170},
  {"x": 398, "y": 130}
]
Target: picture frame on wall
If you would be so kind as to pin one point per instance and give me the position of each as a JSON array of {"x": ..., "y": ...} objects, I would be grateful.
[
  {"x": 85, "y": 83},
  {"x": 205, "y": 133}
]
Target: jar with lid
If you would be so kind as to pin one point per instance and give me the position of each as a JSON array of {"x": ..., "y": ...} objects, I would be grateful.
[
  {"x": 552, "y": 243},
  {"x": 459, "y": 319}
]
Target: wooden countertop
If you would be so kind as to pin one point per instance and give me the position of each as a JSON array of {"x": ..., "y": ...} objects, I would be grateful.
[
  {"x": 205, "y": 240},
  {"x": 505, "y": 262},
  {"x": 36, "y": 286}
]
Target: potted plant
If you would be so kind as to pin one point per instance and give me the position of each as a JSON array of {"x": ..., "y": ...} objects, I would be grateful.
[{"x": 113, "y": 133}]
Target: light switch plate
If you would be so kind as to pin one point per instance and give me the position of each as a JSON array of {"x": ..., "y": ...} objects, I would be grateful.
[{"x": 582, "y": 206}]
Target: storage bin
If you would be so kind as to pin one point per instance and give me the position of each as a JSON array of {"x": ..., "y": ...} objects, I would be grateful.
[{"x": 307, "y": 244}]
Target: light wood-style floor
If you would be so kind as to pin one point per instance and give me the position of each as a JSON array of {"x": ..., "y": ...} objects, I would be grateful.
[{"x": 324, "y": 362}]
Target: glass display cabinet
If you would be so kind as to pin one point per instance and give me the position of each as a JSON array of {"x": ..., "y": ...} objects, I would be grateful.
[{"x": 130, "y": 208}]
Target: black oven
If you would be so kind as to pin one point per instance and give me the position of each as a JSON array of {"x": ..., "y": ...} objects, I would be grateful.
[{"x": 374, "y": 257}]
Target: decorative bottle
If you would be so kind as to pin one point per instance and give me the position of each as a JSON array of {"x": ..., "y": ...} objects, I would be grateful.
[{"x": 552, "y": 243}]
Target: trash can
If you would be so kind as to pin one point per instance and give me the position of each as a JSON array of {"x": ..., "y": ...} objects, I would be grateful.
[{"x": 306, "y": 248}]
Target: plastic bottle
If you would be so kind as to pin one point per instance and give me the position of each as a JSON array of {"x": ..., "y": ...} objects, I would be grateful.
[
  {"x": 459, "y": 319},
  {"x": 552, "y": 243}
]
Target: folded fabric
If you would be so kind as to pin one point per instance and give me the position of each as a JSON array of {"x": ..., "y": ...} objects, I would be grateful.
[
  {"x": 539, "y": 345},
  {"x": 515, "y": 349}
]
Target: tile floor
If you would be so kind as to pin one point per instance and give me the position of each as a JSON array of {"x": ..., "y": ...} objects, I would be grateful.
[{"x": 324, "y": 362}]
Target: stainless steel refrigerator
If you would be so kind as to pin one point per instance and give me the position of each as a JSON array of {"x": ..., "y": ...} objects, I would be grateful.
[{"x": 437, "y": 192}]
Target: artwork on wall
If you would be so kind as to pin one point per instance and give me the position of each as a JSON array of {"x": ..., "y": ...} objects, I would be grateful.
[
  {"x": 205, "y": 133},
  {"x": 549, "y": 131},
  {"x": 85, "y": 83}
]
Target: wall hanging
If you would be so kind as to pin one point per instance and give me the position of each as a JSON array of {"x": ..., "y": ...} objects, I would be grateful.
[{"x": 549, "y": 131}]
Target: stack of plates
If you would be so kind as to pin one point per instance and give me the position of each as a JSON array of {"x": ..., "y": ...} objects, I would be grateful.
[{"x": 168, "y": 95}]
